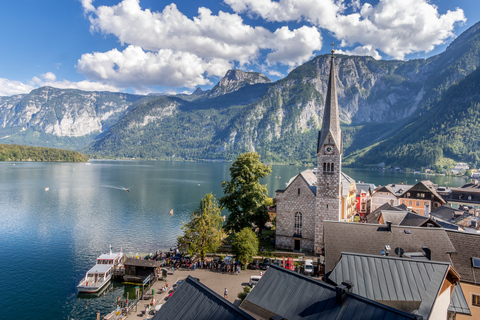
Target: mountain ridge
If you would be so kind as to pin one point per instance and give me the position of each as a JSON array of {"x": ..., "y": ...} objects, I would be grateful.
[{"x": 247, "y": 112}]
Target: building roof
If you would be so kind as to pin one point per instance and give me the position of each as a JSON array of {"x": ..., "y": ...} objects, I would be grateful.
[
  {"x": 425, "y": 186},
  {"x": 193, "y": 300},
  {"x": 367, "y": 187},
  {"x": 142, "y": 263},
  {"x": 372, "y": 238},
  {"x": 394, "y": 216},
  {"x": 395, "y": 189},
  {"x": 446, "y": 213},
  {"x": 413, "y": 285},
  {"x": 467, "y": 246},
  {"x": 447, "y": 225},
  {"x": 331, "y": 116},
  {"x": 345, "y": 182},
  {"x": 458, "y": 303},
  {"x": 294, "y": 296},
  {"x": 416, "y": 220},
  {"x": 372, "y": 217}
]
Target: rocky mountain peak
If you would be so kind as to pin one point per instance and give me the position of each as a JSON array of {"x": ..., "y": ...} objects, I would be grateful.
[{"x": 236, "y": 79}]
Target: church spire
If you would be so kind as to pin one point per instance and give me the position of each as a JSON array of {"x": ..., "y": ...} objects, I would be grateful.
[{"x": 331, "y": 120}]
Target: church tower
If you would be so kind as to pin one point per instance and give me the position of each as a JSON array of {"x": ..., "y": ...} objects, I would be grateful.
[{"x": 329, "y": 155}]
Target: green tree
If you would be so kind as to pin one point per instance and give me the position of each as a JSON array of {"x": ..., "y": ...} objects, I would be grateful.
[
  {"x": 244, "y": 194},
  {"x": 204, "y": 233},
  {"x": 245, "y": 245}
]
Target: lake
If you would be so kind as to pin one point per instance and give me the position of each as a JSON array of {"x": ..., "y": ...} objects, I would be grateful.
[{"x": 57, "y": 218}]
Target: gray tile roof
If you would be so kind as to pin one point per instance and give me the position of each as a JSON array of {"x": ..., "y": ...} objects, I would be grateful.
[
  {"x": 413, "y": 285},
  {"x": 372, "y": 238},
  {"x": 372, "y": 216},
  {"x": 367, "y": 187},
  {"x": 467, "y": 245},
  {"x": 415, "y": 220},
  {"x": 193, "y": 300},
  {"x": 394, "y": 216},
  {"x": 294, "y": 296},
  {"x": 458, "y": 303},
  {"x": 446, "y": 213}
]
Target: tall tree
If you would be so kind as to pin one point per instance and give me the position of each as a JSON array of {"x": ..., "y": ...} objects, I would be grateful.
[
  {"x": 204, "y": 233},
  {"x": 243, "y": 194},
  {"x": 245, "y": 245}
]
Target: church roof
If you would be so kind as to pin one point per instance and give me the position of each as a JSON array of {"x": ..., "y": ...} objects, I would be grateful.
[{"x": 331, "y": 119}]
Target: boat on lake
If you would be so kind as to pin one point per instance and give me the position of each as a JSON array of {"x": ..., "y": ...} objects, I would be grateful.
[{"x": 101, "y": 273}]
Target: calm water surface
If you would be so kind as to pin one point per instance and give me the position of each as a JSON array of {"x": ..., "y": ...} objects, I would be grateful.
[{"x": 49, "y": 239}]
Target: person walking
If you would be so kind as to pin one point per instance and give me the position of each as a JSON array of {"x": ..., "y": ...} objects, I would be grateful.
[{"x": 225, "y": 294}]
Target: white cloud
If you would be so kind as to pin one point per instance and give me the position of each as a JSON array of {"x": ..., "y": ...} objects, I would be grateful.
[
  {"x": 395, "y": 27},
  {"x": 366, "y": 50},
  {"x": 294, "y": 47},
  {"x": 161, "y": 68},
  {"x": 11, "y": 87},
  {"x": 49, "y": 76},
  {"x": 167, "y": 48}
]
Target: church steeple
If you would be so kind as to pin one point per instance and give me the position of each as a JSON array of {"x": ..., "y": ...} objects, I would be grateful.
[{"x": 331, "y": 120}]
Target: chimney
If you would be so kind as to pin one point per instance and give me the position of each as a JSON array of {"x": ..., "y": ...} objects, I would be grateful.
[
  {"x": 428, "y": 253},
  {"x": 389, "y": 226},
  {"x": 341, "y": 291}
]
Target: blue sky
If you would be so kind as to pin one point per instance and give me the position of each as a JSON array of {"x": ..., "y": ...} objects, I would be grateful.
[{"x": 145, "y": 46}]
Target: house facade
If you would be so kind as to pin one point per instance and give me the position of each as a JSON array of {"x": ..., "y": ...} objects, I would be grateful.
[{"x": 422, "y": 198}]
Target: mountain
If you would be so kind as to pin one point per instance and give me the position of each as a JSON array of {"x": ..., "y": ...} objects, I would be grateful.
[
  {"x": 61, "y": 118},
  {"x": 386, "y": 108}
]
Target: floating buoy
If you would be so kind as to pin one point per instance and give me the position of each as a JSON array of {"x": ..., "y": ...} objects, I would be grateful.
[
  {"x": 171, "y": 212},
  {"x": 47, "y": 188}
]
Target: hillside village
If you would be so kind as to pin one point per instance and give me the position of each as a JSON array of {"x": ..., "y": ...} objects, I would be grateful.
[{"x": 380, "y": 252}]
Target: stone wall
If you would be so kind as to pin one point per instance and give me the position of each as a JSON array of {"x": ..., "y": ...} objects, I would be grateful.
[{"x": 289, "y": 202}]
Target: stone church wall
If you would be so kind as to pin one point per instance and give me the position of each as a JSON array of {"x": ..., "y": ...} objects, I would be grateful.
[{"x": 290, "y": 202}]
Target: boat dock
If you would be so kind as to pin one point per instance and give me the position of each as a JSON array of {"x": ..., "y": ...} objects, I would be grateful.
[{"x": 217, "y": 281}]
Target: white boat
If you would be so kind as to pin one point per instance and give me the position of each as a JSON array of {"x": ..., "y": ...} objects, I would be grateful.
[{"x": 101, "y": 273}]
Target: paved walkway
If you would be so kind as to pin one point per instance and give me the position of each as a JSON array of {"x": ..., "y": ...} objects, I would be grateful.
[{"x": 216, "y": 281}]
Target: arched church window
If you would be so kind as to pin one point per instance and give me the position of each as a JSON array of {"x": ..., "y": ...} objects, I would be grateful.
[
  {"x": 331, "y": 168},
  {"x": 324, "y": 166},
  {"x": 328, "y": 167},
  {"x": 298, "y": 223}
]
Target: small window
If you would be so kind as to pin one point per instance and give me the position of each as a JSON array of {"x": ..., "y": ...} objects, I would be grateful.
[
  {"x": 475, "y": 300},
  {"x": 418, "y": 204},
  {"x": 403, "y": 201},
  {"x": 332, "y": 167},
  {"x": 476, "y": 262},
  {"x": 298, "y": 191},
  {"x": 410, "y": 203}
]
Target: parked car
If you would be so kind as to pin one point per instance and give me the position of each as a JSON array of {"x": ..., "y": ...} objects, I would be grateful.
[
  {"x": 254, "y": 280},
  {"x": 265, "y": 264},
  {"x": 308, "y": 267},
  {"x": 277, "y": 263},
  {"x": 255, "y": 265}
]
